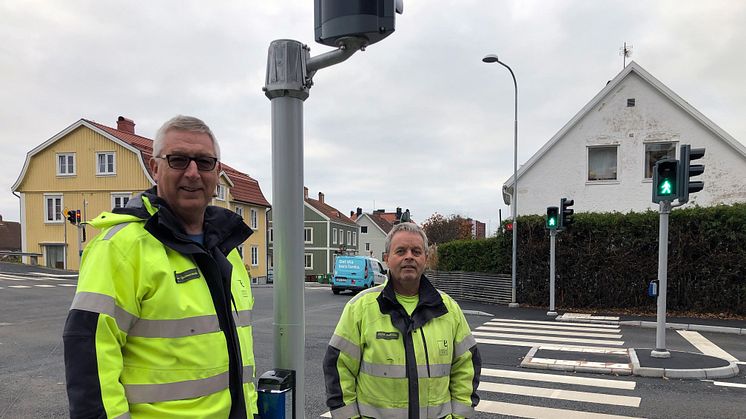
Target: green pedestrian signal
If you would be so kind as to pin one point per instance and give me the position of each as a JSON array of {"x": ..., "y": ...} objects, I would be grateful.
[
  {"x": 552, "y": 218},
  {"x": 665, "y": 180}
]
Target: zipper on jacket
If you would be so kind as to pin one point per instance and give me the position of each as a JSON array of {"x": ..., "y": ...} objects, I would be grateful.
[{"x": 427, "y": 358}]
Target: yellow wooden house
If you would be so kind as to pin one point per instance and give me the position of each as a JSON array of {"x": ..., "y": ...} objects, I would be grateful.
[{"x": 91, "y": 168}]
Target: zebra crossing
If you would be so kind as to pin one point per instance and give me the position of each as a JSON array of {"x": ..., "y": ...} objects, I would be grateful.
[
  {"x": 564, "y": 346},
  {"x": 36, "y": 280}
]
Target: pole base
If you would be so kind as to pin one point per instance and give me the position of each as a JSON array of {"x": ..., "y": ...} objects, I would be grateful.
[
  {"x": 660, "y": 353},
  {"x": 513, "y": 305},
  {"x": 552, "y": 313}
]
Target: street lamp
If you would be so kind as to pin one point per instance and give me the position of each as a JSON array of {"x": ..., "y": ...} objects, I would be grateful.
[{"x": 492, "y": 58}]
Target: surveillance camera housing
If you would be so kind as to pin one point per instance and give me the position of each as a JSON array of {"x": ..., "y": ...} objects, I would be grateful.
[{"x": 370, "y": 20}]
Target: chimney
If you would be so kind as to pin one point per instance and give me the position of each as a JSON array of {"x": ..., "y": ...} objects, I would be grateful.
[
  {"x": 359, "y": 211},
  {"x": 352, "y": 214},
  {"x": 321, "y": 197},
  {"x": 380, "y": 211},
  {"x": 398, "y": 213},
  {"x": 126, "y": 125},
  {"x": 305, "y": 192}
]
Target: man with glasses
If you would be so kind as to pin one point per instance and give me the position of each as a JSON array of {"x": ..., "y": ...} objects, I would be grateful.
[{"x": 160, "y": 325}]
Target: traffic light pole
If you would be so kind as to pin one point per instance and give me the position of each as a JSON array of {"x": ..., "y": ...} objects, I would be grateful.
[
  {"x": 660, "y": 332},
  {"x": 552, "y": 247}
]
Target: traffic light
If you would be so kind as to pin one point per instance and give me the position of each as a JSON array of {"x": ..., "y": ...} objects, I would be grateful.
[
  {"x": 77, "y": 217},
  {"x": 566, "y": 212},
  {"x": 688, "y": 171},
  {"x": 71, "y": 216},
  {"x": 552, "y": 218},
  {"x": 665, "y": 180}
]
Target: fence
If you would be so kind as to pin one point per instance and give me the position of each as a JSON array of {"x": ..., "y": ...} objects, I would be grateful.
[{"x": 473, "y": 286}]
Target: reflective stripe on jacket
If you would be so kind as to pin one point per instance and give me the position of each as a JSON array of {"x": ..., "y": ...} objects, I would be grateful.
[
  {"x": 161, "y": 326},
  {"x": 382, "y": 363}
]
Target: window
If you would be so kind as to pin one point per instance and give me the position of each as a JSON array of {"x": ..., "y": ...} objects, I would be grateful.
[
  {"x": 308, "y": 261},
  {"x": 239, "y": 248},
  {"x": 349, "y": 238},
  {"x": 354, "y": 238},
  {"x": 367, "y": 246},
  {"x": 364, "y": 230},
  {"x": 254, "y": 256},
  {"x": 120, "y": 200},
  {"x": 631, "y": 102},
  {"x": 308, "y": 234},
  {"x": 253, "y": 215},
  {"x": 341, "y": 236},
  {"x": 334, "y": 236},
  {"x": 655, "y": 152},
  {"x": 220, "y": 192},
  {"x": 106, "y": 163},
  {"x": 271, "y": 235},
  {"x": 239, "y": 211},
  {"x": 602, "y": 163},
  {"x": 53, "y": 209},
  {"x": 65, "y": 164}
]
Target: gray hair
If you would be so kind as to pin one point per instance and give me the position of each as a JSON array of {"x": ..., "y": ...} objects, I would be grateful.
[
  {"x": 183, "y": 123},
  {"x": 406, "y": 226}
]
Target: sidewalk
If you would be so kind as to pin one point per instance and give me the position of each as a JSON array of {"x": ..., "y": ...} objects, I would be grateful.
[{"x": 636, "y": 361}]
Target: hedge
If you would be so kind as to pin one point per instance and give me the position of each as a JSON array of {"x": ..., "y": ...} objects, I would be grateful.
[{"x": 605, "y": 260}]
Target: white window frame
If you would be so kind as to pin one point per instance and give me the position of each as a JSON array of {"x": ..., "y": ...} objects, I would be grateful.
[
  {"x": 118, "y": 196},
  {"x": 220, "y": 192},
  {"x": 106, "y": 154},
  {"x": 334, "y": 236},
  {"x": 239, "y": 248},
  {"x": 341, "y": 237},
  {"x": 310, "y": 234},
  {"x": 254, "y": 217},
  {"x": 59, "y": 217},
  {"x": 308, "y": 261},
  {"x": 254, "y": 255},
  {"x": 239, "y": 211},
  {"x": 367, "y": 246},
  {"x": 645, "y": 157},
  {"x": 67, "y": 156},
  {"x": 354, "y": 238},
  {"x": 349, "y": 238},
  {"x": 271, "y": 235},
  {"x": 588, "y": 163}
]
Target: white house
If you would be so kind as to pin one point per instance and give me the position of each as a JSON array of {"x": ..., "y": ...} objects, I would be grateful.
[
  {"x": 373, "y": 230},
  {"x": 603, "y": 157}
]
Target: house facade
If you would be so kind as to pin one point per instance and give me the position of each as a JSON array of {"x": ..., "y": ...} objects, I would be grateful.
[
  {"x": 93, "y": 168},
  {"x": 603, "y": 157},
  {"x": 374, "y": 227},
  {"x": 327, "y": 233}
]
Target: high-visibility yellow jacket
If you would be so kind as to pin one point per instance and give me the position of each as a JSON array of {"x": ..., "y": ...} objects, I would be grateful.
[
  {"x": 160, "y": 325},
  {"x": 382, "y": 363}
]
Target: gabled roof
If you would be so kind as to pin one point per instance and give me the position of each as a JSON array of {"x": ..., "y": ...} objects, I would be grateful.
[
  {"x": 385, "y": 221},
  {"x": 329, "y": 212},
  {"x": 244, "y": 188},
  {"x": 611, "y": 86}
]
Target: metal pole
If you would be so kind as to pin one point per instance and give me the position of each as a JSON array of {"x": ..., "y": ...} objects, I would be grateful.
[
  {"x": 514, "y": 199},
  {"x": 660, "y": 332},
  {"x": 552, "y": 241}
]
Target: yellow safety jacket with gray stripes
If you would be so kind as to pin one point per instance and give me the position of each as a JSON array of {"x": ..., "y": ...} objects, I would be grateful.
[
  {"x": 160, "y": 325},
  {"x": 383, "y": 363}
]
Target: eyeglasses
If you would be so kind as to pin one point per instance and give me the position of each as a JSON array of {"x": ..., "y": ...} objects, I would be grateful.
[{"x": 178, "y": 162}]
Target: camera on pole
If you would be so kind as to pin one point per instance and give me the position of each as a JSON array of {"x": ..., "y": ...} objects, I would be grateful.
[
  {"x": 665, "y": 180},
  {"x": 566, "y": 213},
  {"x": 687, "y": 154},
  {"x": 552, "y": 218}
]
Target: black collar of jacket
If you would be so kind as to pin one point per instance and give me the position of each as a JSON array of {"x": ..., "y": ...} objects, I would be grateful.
[
  {"x": 429, "y": 306},
  {"x": 223, "y": 228}
]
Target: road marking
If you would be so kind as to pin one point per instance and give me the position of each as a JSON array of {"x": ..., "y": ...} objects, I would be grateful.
[
  {"x": 525, "y": 411},
  {"x": 550, "y": 332},
  {"x": 705, "y": 346},
  {"x": 555, "y": 394},
  {"x": 552, "y": 327},
  {"x": 53, "y": 275},
  {"x": 549, "y": 346},
  {"x": 44, "y": 286},
  {"x": 12, "y": 278},
  {"x": 563, "y": 379},
  {"x": 548, "y": 338},
  {"x": 326, "y": 415},
  {"x": 727, "y": 384},
  {"x": 19, "y": 286},
  {"x": 603, "y": 326},
  {"x": 67, "y": 285}
]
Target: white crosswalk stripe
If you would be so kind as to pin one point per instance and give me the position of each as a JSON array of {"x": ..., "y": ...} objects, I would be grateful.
[
  {"x": 548, "y": 334},
  {"x": 36, "y": 280}
]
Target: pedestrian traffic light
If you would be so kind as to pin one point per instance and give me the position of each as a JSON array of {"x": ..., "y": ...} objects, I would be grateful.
[
  {"x": 552, "y": 218},
  {"x": 566, "y": 212},
  {"x": 77, "y": 217},
  {"x": 687, "y": 154},
  {"x": 71, "y": 216},
  {"x": 665, "y": 180}
]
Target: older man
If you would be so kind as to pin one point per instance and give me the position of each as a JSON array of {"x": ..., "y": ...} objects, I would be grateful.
[
  {"x": 160, "y": 325},
  {"x": 402, "y": 349}
]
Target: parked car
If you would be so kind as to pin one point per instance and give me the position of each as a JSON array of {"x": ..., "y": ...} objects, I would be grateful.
[{"x": 356, "y": 273}]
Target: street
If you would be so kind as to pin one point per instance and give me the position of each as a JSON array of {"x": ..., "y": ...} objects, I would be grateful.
[{"x": 33, "y": 308}]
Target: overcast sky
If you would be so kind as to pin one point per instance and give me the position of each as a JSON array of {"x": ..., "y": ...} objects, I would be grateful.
[{"x": 416, "y": 121}]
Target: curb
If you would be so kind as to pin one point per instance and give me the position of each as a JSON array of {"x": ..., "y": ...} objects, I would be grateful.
[
  {"x": 684, "y": 326},
  {"x": 728, "y": 371},
  {"x": 527, "y": 363}
]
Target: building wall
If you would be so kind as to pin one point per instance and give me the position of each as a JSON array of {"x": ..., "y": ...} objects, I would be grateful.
[
  {"x": 374, "y": 236},
  {"x": 562, "y": 171}
]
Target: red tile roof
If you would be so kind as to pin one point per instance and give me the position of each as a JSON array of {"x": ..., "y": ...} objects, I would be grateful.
[
  {"x": 245, "y": 188},
  {"x": 331, "y": 212}
]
